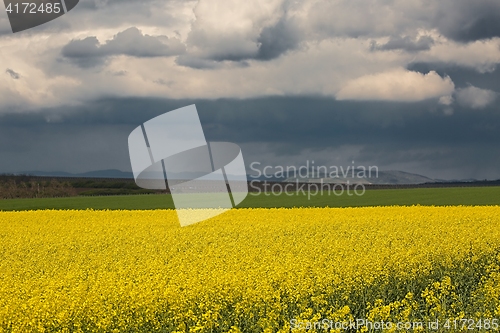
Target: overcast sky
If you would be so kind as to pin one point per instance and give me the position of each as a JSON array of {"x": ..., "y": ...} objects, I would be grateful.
[{"x": 409, "y": 85}]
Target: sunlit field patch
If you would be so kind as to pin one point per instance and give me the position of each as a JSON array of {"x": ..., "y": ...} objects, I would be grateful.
[{"x": 248, "y": 270}]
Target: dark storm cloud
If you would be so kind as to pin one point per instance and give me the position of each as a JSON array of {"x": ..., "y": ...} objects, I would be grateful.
[
  {"x": 464, "y": 145},
  {"x": 89, "y": 51},
  {"x": 466, "y": 21},
  {"x": 405, "y": 43},
  {"x": 195, "y": 62},
  {"x": 459, "y": 20},
  {"x": 85, "y": 52},
  {"x": 321, "y": 122},
  {"x": 392, "y": 135},
  {"x": 13, "y": 74},
  {"x": 277, "y": 40}
]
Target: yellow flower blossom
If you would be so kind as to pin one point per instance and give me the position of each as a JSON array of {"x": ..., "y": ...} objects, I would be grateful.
[{"x": 247, "y": 270}]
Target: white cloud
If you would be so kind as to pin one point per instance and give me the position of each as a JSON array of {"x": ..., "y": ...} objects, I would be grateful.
[
  {"x": 33, "y": 89},
  {"x": 483, "y": 55},
  {"x": 397, "y": 85},
  {"x": 319, "y": 68},
  {"x": 230, "y": 30},
  {"x": 475, "y": 98},
  {"x": 446, "y": 100}
]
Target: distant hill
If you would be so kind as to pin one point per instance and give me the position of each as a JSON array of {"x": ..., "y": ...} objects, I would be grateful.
[
  {"x": 400, "y": 177},
  {"x": 468, "y": 180},
  {"x": 384, "y": 177},
  {"x": 391, "y": 177}
]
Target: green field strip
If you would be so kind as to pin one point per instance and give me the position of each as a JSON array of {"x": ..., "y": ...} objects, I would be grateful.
[{"x": 471, "y": 196}]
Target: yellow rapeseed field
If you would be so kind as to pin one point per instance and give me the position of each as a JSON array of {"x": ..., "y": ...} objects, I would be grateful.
[{"x": 249, "y": 270}]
